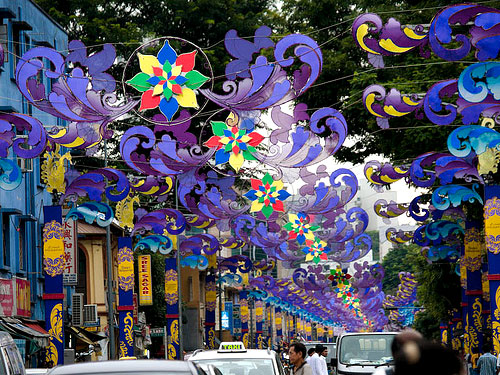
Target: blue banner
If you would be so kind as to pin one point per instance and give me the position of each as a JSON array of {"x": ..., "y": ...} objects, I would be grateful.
[
  {"x": 125, "y": 296},
  {"x": 210, "y": 301},
  {"x": 53, "y": 262},
  {"x": 172, "y": 313}
]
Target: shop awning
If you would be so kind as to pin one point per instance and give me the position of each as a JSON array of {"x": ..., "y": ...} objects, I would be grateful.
[
  {"x": 35, "y": 326},
  {"x": 88, "y": 337},
  {"x": 19, "y": 329}
]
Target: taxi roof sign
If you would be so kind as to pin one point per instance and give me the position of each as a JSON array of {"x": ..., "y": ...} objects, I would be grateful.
[{"x": 232, "y": 346}]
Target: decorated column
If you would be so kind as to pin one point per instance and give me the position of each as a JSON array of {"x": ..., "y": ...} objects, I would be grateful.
[
  {"x": 172, "y": 313},
  {"x": 210, "y": 302},
  {"x": 269, "y": 322},
  {"x": 474, "y": 292},
  {"x": 330, "y": 334},
  {"x": 463, "y": 306},
  {"x": 53, "y": 265},
  {"x": 486, "y": 298},
  {"x": 278, "y": 322},
  {"x": 444, "y": 333},
  {"x": 308, "y": 331},
  {"x": 259, "y": 320},
  {"x": 457, "y": 330},
  {"x": 244, "y": 316},
  {"x": 125, "y": 296},
  {"x": 492, "y": 233}
]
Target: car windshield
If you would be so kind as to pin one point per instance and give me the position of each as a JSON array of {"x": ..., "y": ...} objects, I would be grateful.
[
  {"x": 366, "y": 349},
  {"x": 239, "y": 366}
]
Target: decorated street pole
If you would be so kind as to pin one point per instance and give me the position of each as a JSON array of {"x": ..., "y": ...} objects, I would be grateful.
[
  {"x": 259, "y": 319},
  {"x": 244, "y": 317},
  {"x": 53, "y": 261},
  {"x": 172, "y": 313},
  {"x": 278, "y": 319},
  {"x": 269, "y": 320},
  {"x": 492, "y": 234},
  {"x": 472, "y": 261},
  {"x": 125, "y": 296},
  {"x": 210, "y": 301}
]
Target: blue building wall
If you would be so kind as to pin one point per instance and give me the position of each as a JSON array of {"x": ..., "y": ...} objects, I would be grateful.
[{"x": 23, "y": 25}]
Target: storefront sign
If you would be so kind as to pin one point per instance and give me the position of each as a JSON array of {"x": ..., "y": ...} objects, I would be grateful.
[
  {"x": 6, "y": 298},
  {"x": 145, "y": 285},
  {"x": 70, "y": 276},
  {"x": 23, "y": 298}
]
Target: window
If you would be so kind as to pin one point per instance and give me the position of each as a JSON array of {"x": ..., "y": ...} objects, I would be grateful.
[
  {"x": 22, "y": 245},
  {"x": 6, "y": 240},
  {"x": 4, "y": 37}
]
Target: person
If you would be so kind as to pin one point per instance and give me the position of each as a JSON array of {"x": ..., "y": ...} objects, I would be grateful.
[
  {"x": 417, "y": 357},
  {"x": 318, "y": 365},
  {"x": 400, "y": 339},
  {"x": 487, "y": 363},
  {"x": 310, "y": 352},
  {"x": 297, "y": 354},
  {"x": 322, "y": 356}
]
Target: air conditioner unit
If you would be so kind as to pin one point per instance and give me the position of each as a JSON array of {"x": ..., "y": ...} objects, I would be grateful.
[
  {"x": 77, "y": 308},
  {"x": 26, "y": 165},
  {"x": 90, "y": 314}
]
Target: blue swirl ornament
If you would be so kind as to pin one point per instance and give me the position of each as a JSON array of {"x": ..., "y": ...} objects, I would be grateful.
[
  {"x": 11, "y": 175},
  {"x": 155, "y": 243},
  {"x": 195, "y": 261},
  {"x": 454, "y": 195},
  {"x": 101, "y": 213}
]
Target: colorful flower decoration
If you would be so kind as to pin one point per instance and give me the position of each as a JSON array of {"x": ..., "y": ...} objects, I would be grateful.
[
  {"x": 299, "y": 228},
  {"x": 338, "y": 277},
  {"x": 167, "y": 81},
  {"x": 234, "y": 144},
  {"x": 267, "y": 195},
  {"x": 316, "y": 250}
]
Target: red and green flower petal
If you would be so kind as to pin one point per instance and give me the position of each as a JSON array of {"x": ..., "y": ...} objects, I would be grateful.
[
  {"x": 213, "y": 142},
  {"x": 186, "y": 60},
  {"x": 256, "y": 139},
  {"x": 140, "y": 82},
  {"x": 195, "y": 79},
  {"x": 267, "y": 211},
  {"x": 255, "y": 183},
  {"x": 278, "y": 206},
  {"x": 149, "y": 101},
  {"x": 218, "y": 128},
  {"x": 167, "y": 92}
]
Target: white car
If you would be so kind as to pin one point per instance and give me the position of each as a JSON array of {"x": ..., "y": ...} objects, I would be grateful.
[{"x": 232, "y": 358}]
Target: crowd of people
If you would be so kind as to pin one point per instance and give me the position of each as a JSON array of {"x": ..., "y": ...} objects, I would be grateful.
[{"x": 412, "y": 355}]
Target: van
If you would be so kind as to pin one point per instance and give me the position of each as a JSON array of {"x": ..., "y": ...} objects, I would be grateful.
[
  {"x": 364, "y": 352},
  {"x": 11, "y": 361}
]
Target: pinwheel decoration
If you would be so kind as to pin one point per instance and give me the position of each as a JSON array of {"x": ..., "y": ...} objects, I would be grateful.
[
  {"x": 316, "y": 250},
  {"x": 267, "y": 195},
  {"x": 167, "y": 81},
  {"x": 299, "y": 228},
  {"x": 337, "y": 277},
  {"x": 234, "y": 144}
]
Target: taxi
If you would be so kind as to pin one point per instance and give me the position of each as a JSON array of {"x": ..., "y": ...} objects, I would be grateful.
[{"x": 232, "y": 358}]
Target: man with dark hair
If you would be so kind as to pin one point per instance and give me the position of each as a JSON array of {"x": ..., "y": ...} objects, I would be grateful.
[
  {"x": 487, "y": 363},
  {"x": 405, "y": 336},
  {"x": 317, "y": 363},
  {"x": 297, "y": 355},
  {"x": 310, "y": 352}
]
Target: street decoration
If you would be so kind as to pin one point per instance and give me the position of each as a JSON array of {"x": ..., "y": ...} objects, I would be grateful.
[{"x": 180, "y": 154}]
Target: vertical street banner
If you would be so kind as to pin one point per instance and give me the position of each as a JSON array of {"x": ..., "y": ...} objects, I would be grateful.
[
  {"x": 172, "y": 313},
  {"x": 210, "y": 302},
  {"x": 126, "y": 296},
  {"x": 486, "y": 297},
  {"x": 244, "y": 316},
  {"x": 292, "y": 326},
  {"x": 492, "y": 235},
  {"x": 320, "y": 332},
  {"x": 70, "y": 275},
  {"x": 308, "y": 330},
  {"x": 269, "y": 322},
  {"x": 145, "y": 281},
  {"x": 444, "y": 333},
  {"x": 53, "y": 266},
  {"x": 463, "y": 305},
  {"x": 456, "y": 331},
  {"x": 259, "y": 320},
  {"x": 278, "y": 319},
  {"x": 472, "y": 260}
]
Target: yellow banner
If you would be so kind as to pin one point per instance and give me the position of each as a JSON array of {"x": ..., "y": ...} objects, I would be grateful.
[
  {"x": 53, "y": 248},
  {"x": 308, "y": 329},
  {"x": 145, "y": 284}
]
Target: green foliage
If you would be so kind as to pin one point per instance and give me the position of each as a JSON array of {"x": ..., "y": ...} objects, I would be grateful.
[
  {"x": 374, "y": 235},
  {"x": 395, "y": 262}
]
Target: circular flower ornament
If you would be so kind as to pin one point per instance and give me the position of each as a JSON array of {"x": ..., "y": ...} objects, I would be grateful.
[
  {"x": 337, "y": 277},
  {"x": 267, "y": 195},
  {"x": 316, "y": 250},
  {"x": 299, "y": 228},
  {"x": 167, "y": 81},
  {"x": 234, "y": 144}
]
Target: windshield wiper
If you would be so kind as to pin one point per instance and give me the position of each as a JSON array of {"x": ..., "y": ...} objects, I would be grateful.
[
  {"x": 390, "y": 363},
  {"x": 361, "y": 362}
]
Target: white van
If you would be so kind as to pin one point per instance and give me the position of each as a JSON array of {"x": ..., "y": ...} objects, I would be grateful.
[
  {"x": 11, "y": 361},
  {"x": 363, "y": 352}
]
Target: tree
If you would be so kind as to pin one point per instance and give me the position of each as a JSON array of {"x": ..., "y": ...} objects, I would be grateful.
[{"x": 394, "y": 263}]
